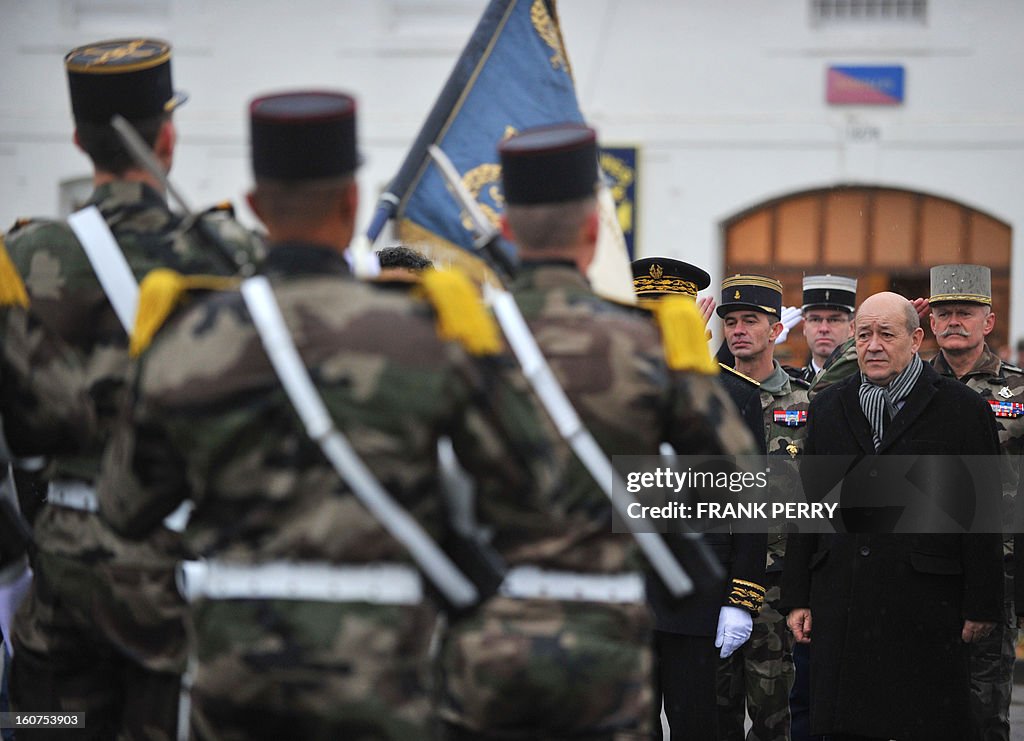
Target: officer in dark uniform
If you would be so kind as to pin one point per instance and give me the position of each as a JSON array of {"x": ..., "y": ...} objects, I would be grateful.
[
  {"x": 760, "y": 675},
  {"x": 742, "y": 555}
]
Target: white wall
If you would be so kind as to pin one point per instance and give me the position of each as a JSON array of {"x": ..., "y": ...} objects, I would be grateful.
[{"x": 726, "y": 99}]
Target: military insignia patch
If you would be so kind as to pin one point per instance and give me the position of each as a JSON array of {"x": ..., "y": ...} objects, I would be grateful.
[
  {"x": 1007, "y": 409},
  {"x": 790, "y": 417}
]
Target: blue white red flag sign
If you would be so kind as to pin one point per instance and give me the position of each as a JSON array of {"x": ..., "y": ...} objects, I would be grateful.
[{"x": 865, "y": 85}]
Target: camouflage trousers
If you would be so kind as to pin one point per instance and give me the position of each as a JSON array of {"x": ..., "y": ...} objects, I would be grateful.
[
  {"x": 757, "y": 678},
  {"x": 104, "y": 640},
  {"x": 541, "y": 669},
  {"x": 991, "y": 661},
  {"x": 279, "y": 669}
]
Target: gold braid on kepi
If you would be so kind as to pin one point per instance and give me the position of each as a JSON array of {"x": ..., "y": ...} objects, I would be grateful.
[
  {"x": 461, "y": 314},
  {"x": 746, "y": 595},
  {"x": 159, "y": 294},
  {"x": 12, "y": 289},
  {"x": 654, "y": 277}
]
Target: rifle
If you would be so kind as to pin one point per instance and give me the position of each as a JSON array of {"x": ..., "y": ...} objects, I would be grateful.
[{"x": 237, "y": 260}]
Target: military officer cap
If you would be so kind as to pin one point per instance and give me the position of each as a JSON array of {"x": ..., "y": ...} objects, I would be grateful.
[
  {"x": 660, "y": 276},
  {"x": 830, "y": 292},
  {"x": 549, "y": 164},
  {"x": 751, "y": 292},
  {"x": 303, "y": 135},
  {"x": 130, "y": 77},
  {"x": 961, "y": 283}
]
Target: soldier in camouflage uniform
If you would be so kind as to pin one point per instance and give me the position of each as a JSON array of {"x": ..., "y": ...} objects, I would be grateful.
[
  {"x": 43, "y": 394},
  {"x": 514, "y": 670},
  {"x": 760, "y": 675},
  {"x": 609, "y": 360},
  {"x": 102, "y": 628},
  {"x": 961, "y": 318},
  {"x": 321, "y": 628}
]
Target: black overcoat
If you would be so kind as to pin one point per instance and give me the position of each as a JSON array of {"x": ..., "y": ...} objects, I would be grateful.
[{"x": 887, "y": 611}]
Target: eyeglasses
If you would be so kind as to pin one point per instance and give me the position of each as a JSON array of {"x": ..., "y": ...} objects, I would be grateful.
[{"x": 833, "y": 321}]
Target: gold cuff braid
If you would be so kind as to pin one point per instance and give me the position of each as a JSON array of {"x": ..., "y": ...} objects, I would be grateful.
[{"x": 746, "y": 595}]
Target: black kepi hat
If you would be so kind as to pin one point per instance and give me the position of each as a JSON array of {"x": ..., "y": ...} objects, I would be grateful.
[
  {"x": 830, "y": 292},
  {"x": 130, "y": 77},
  {"x": 755, "y": 292},
  {"x": 660, "y": 276},
  {"x": 303, "y": 135},
  {"x": 549, "y": 164}
]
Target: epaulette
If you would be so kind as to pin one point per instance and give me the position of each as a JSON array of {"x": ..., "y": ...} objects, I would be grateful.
[
  {"x": 461, "y": 314},
  {"x": 1011, "y": 368},
  {"x": 159, "y": 294},
  {"x": 12, "y": 289},
  {"x": 683, "y": 336},
  {"x": 743, "y": 376},
  {"x": 799, "y": 383}
]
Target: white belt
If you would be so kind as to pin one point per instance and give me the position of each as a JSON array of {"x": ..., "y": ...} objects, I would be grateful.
[
  {"x": 73, "y": 495},
  {"x": 82, "y": 497},
  {"x": 381, "y": 584},
  {"x": 530, "y": 582}
]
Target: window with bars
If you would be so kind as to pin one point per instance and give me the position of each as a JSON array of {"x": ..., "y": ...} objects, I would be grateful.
[{"x": 850, "y": 12}]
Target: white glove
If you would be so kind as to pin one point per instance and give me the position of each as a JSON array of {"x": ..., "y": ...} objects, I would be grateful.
[
  {"x": 734, "y": 627},
  {"x": 791, "y": 316},
  {"x": 11, "y": 595}
]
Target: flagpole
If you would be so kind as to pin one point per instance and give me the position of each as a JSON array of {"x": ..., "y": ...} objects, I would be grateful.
[{"x": 437, "y": 119}]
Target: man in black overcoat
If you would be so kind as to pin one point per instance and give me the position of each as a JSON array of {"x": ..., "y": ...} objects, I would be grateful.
[{"x": 888, "y": 616}]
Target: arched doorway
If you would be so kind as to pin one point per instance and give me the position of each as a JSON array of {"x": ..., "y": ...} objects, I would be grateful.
[{"x": 885, "y": 237}]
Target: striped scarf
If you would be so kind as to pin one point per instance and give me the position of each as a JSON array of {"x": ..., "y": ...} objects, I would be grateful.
[{"x": 875, "y": 401}]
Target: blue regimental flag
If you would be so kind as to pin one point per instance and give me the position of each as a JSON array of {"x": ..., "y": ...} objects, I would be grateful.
[{"x": 513, "y": 74}]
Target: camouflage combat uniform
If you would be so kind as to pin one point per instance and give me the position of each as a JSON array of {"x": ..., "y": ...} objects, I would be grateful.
[
  {"x": 761, "y": 670},
  {"x": 992, "y": 657},
  {"x": 211, "y": 421},
  {"x": 840, "y": 364},
  {"x": 532, "y": 668},
  {"x": 102, "y": 628}
]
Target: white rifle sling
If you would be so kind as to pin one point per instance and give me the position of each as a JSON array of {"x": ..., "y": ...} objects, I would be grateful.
[
  {"x": 543, "y": 381},
  {"x": 277, "y": 341},
  {"x": 118, "y": 282},
  {"x": 108, "y": 262}
]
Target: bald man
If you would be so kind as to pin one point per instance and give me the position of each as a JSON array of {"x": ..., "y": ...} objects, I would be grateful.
[{"x": 889, "y": 616}]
